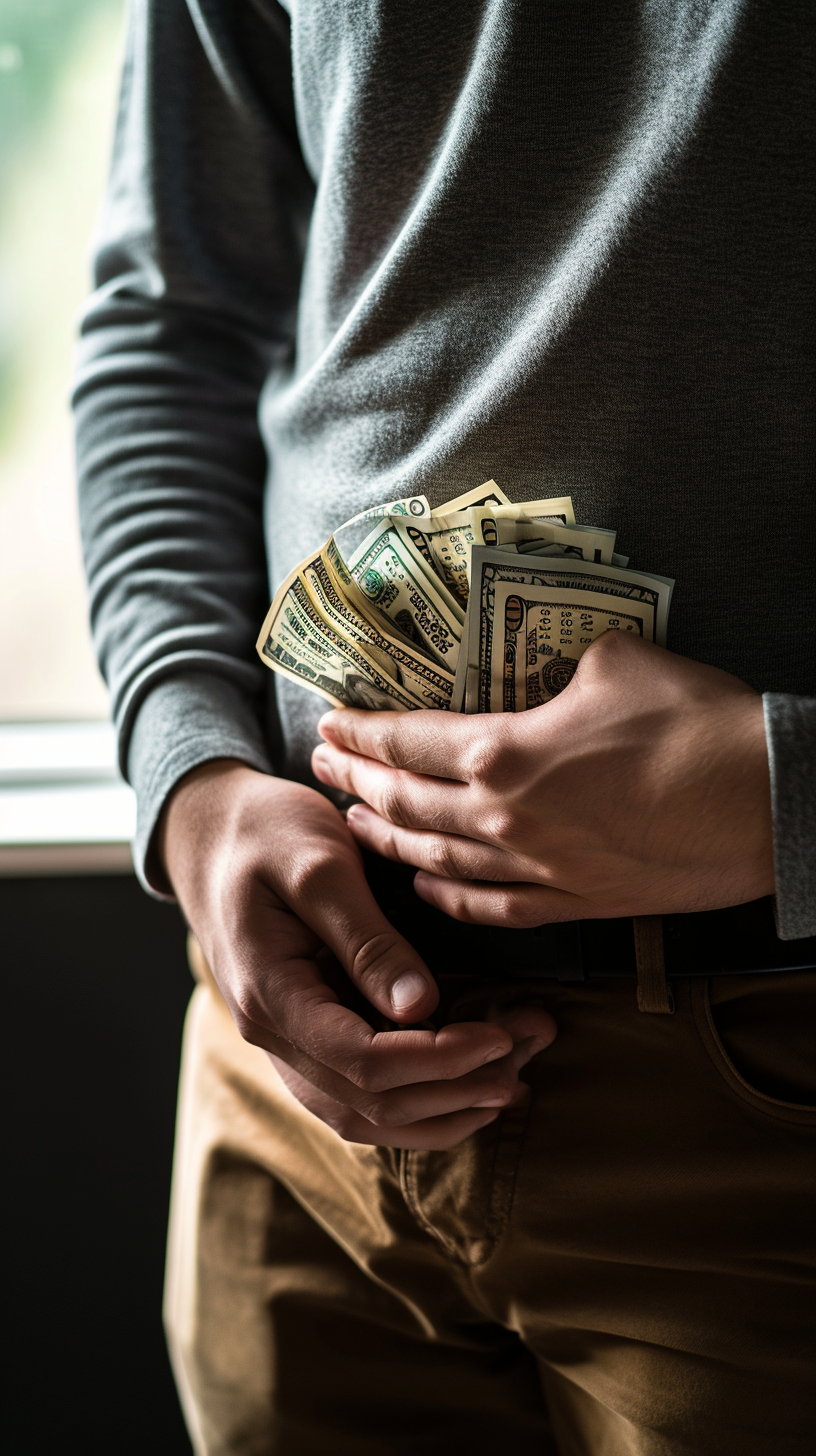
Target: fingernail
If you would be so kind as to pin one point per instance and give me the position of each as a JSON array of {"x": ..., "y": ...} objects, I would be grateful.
[
  {"x": 407, "y": 990},
  {"x": 491, "y": 1102},
  {"x": 321, "y": 768}
]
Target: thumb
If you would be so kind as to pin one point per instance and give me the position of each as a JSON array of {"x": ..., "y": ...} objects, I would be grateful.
[{"x": 335, "y": 900}]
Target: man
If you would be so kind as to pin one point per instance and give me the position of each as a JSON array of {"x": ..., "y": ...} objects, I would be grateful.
[{"x": 375, "y": 248}]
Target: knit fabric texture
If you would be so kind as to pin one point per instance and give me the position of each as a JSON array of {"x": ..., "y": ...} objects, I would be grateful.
[{"x": 351, "y": 251}]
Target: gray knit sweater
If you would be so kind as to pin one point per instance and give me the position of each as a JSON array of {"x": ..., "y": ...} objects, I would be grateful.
[{"x": 358, "y": 248}]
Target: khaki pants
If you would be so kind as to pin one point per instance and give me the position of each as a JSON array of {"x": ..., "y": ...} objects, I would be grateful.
[{"x": 625, "y": 1268}]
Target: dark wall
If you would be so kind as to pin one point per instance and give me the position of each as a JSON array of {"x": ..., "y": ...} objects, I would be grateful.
[{"x": 95, "y": 986}]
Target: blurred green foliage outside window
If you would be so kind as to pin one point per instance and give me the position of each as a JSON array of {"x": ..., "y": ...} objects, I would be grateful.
[{"x": 59, "y": 65}]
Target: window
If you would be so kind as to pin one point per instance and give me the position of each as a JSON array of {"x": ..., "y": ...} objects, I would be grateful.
[
  {"x": 59, "y": 64},
  {"x": 61, "y": 807}
]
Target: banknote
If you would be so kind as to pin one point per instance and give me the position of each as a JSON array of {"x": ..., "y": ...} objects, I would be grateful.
[
  {"x": 446, "y": 541},
  {"x": 397, "y": 581},
  {"x": 550, "y": 538},
  {"x": 556, "y": 508},
  {"x": 490, "y": 494},
  {"x": 411, "y": 505},
  {"x": 481, "y": 495},
  {"x": 480, "y": 605},
  {"x": 345, "y": 609},
  {"x": 300, "y": 644},
  {"x": 530, "y": 619}
]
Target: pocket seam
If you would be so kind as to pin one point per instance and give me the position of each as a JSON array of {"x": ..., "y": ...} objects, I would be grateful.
[
  {"x": 471, "y": 1250},
  {"x": 801, "y": 1113}
]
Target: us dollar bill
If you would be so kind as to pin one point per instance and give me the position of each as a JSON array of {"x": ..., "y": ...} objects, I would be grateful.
[
  {"x": 344, "y": 608},
  {"x": 556, "y": 508},
  {"x": 480, "y": 604},
  {"x": 446, "y": 541},
  {"x": 482, "y": 495},
  {"x": 299, "y": 643},
  {"x": 401, "y": 587},
  {"x": 551, "y": 538},
  {"x": 531, "y": 619},
  {"x": 409, "y": 505},
  {"x": 445, "y": 544}
]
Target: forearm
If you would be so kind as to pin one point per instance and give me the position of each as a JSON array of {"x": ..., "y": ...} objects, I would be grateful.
[
  {"x": 177, "y": 342},
  {"x": 171, "y": 473}
]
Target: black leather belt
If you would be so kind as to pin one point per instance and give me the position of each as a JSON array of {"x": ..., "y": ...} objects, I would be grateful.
[{"x": 735, "y": 941}]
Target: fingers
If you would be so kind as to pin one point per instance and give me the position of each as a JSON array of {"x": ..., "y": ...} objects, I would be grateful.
[
  {"x": 427, "y": 742},
  {"x": 517, "y": 906},
  {"x": 375, "y": 1061},
  {"x": 438, "y": 1133},
  {"x": 493, "y": 1086},
  {"x": 436, "y": 1116},
  {"x": 400, "y": 796},
  {"x": 451, "y": 855},
  {"x": 282, "y": 1003},
  {"x": 532, "y": 1029}
]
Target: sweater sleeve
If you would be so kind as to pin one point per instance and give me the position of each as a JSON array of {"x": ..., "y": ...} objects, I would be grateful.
[
  {"x": 790, "y": 728},
  {"x": 197, "y": 271}
]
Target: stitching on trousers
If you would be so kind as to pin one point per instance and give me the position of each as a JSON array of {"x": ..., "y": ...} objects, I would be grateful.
[
  {"x": 474, "y": 1251},
  {"x": 798, "y": 1113}
]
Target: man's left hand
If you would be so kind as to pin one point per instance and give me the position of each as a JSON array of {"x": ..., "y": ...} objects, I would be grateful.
[{"x": 642, "y": 789}]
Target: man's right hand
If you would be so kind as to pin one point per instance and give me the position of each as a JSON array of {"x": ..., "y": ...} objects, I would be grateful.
[{"x": 272, "y": 884}]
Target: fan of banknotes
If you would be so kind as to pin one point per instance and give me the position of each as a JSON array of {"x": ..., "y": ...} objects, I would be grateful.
[{"x": 480, "y": 606}]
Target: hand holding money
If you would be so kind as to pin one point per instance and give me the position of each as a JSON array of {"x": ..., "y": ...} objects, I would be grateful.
[{"x": 641, "y": 790}]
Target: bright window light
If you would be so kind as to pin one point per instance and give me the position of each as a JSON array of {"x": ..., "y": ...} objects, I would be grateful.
[{"x": 59, "y": 65}]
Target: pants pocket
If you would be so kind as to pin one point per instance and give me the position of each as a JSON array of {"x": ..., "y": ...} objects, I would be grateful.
[{"x": 759, "y": 1033}]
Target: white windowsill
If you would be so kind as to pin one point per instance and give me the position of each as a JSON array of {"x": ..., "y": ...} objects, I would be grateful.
[{"x": 63, "y": 807}]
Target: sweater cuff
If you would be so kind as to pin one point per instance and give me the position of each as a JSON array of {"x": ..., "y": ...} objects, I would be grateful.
[
  {"x": 790, "y": 728},
  {"x": 183, "y": 722}
]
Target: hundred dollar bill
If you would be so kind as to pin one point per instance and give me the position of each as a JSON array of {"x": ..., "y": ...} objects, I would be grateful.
[
  {"x": 398, "y": 583},
  {"x": 557, "y": 508},
  {"x": 550, "y": 538},
  {"x": 299, "y": 643},
  {"x": 335, "y": 594},
  {"x": 530, "y": 620},
  {"x": 481, "y": 495},
  {"x": 446, "y": 541},
  {"x": 410, "y": 505}
]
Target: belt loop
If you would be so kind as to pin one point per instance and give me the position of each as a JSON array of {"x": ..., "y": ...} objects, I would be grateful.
[{"x": 653, "y": 991}]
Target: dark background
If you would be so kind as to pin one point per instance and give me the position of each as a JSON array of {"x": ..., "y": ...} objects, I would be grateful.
[{"x": 95, "y": 986}]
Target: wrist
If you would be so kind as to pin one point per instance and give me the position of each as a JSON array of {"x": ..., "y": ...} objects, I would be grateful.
[{"x": 196, "y": 813}]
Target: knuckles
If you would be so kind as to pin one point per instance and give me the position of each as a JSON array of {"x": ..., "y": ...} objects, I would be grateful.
[
  {"x": 391, "y": 807},
  {"x": 489, "y": 759},
  {"x": 377, "y": 954},
  {"x": 249, "y": 1028},
  {"x": 609, "y": 654},
  {"x": 444, "y": 859},
  {"x": 494, "y": 758},
  {"x": 519, "y": 912},
  {"x": 508, "y": 825}
]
